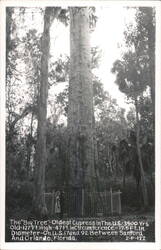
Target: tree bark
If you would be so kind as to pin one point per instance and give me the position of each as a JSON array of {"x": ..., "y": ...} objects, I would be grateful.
[
  {"x": 39, "y": 205},
  {"x": 29, "y": 148},
  {"x": 142, "y": 174},
  {"x": 80, "y": 112}
]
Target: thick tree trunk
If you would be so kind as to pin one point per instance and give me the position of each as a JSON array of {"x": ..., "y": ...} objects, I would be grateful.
[
  {"x": 39, "y": 187},
  {"x": 142, "y": 175},
  {"x": 80, "y": 112}
]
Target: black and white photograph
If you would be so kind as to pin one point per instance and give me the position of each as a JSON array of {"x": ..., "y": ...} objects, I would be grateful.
[{"x": 80, "y": 123}]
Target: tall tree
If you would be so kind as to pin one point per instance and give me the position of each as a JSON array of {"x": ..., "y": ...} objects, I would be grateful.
[
  {"x": 141, "y": 38},
  {"x": 12, "y": 83},
  {"x": 39, "y": 188},
  {"x": 39, "y": 205},
  {"x": 130, "y": 80},
  {"x": 80, "y": 110}
]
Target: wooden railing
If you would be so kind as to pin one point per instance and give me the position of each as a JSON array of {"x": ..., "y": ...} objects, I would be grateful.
[{"x": 84, "y": 203}]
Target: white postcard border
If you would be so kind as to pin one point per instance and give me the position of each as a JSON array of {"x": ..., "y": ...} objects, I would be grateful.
[{"x": 80, "y": 245}]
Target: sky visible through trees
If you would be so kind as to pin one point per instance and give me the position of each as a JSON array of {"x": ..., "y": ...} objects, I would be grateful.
[{"x": 107, "y": 35}]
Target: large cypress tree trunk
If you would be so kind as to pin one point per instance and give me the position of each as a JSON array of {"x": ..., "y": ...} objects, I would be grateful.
[
  {"x": 80, "y": 112},
  {"x": 39, "y": 187}
]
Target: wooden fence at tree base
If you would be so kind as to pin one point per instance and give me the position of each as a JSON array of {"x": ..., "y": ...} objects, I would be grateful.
[{"x": 84, "y": 203}]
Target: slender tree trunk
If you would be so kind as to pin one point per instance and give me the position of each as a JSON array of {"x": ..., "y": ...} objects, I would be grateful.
[
  {"x": 29, "y": 148},
  {"x": 39, "y": 205},
  {"x": 152, "y": 76},
  {"x": 9, "y": 12},
  {"x": 124, "y": 175},
  {"x": 142, "y": 174},
  {"x": 9, "y": 20},
  {"x": 80, "y": 113},
  {"x": 39, "y": 188},
  {"x": 151, "y": 44}
]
